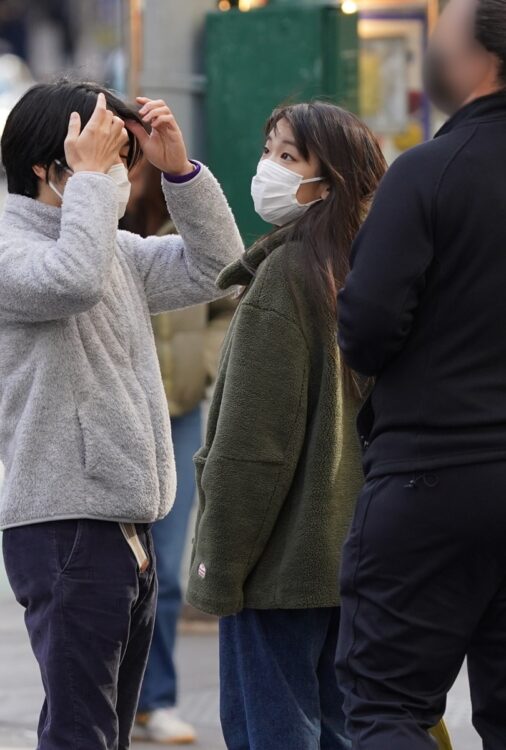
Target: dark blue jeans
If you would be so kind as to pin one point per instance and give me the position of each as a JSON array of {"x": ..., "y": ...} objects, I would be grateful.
[
  {"x": 89, "y": 615},
  {"x": 279, "y": 687},
  {"x": 160, "y": 682}
]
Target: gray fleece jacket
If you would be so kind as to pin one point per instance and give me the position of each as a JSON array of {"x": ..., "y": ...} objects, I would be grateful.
[{"x": 84, "y": 425}]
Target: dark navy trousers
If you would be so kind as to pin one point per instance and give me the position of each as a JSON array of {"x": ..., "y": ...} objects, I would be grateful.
[
  {"x": 89, "y": 613},
  {"x": 424, "y": 586},
  {"x": 279, "y": 686}
]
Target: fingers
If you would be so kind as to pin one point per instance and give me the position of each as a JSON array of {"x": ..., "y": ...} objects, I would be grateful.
[
  {"x": 118, "y": 133},
  {"x": 103, "y": 123},
  {"x": 167, "y": 121},
  {"x": 151, "y": 104},
  {"x": 105, "y": 119},
  {"x": 100, "y": 109},
  {"x": 72, "y": 138},
  {"x": 100, "y": 122},
  {"x": 117, "y": 125},
  {"x": 144, "y": 100},
  {"x": 74, "y": 127},
  {"x": 157, "y": 112}
]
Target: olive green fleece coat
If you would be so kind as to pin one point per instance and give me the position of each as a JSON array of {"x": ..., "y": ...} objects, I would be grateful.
[{"x": 280, "y": 470}]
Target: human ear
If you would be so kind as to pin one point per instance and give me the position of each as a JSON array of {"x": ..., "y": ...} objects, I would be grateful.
[
  {"x": 325, "y": 191},
  {"x": 40, "y": 171}
]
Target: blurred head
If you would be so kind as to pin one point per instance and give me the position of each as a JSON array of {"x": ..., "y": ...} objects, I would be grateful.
[
  {"x": 467, "y": 53},
  {"x": 321, "y": 140},
  {"x": 33, "y": 140}
]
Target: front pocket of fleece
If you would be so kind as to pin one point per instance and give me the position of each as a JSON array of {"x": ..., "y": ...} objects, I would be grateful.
[
  {"x": 200, "y": 461},
  {"x": 118, "y": 446}
]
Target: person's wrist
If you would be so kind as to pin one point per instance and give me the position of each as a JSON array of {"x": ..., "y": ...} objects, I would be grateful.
[
  {"x": 183, "y": 171},
  {"x": 89, "y": 168}
]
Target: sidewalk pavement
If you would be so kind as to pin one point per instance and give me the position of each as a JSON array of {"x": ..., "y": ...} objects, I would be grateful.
[{"x": 21, "y": 695}]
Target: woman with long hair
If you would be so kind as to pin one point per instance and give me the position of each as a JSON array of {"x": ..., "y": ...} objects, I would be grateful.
[
  {"x": 281, "y": 468},
  {"x": 279, "y": 473}
]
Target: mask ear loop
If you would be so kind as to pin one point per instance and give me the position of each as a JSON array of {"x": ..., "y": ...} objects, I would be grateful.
[
  {"x": 306, "y": 182},
  {"x": 51, "y": 183},
  {"x": 312, "y": 179},
  {"x": 64, "y": 166}
]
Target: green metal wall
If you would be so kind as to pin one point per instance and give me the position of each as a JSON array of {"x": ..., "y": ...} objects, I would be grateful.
[{"x": 257, "y": 60}]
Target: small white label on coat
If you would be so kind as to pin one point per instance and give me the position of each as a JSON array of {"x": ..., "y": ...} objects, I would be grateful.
[{"x": 202, "y": 570}]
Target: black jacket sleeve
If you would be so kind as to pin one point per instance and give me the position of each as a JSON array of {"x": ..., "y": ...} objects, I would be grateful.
[{"x": 390, "y": 259}]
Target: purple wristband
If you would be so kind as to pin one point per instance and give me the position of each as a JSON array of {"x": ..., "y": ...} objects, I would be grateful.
[{"x": 180, "y": 179}]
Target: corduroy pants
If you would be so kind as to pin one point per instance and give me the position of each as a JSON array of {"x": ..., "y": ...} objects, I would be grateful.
[{"x": 89, "y": 613}]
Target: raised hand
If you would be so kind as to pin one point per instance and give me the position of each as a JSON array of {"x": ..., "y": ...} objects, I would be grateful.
[
  {"x": 97, "y": 147},
  {"x": 164, "y": 147}
]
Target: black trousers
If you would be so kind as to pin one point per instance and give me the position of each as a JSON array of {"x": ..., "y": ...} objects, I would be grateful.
[
  {"x": 89, "y": 613},
  {"x": 424, "y": 585}
]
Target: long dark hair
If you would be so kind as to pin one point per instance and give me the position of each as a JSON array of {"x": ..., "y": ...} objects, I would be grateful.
[{"x": 352, "y": 163}]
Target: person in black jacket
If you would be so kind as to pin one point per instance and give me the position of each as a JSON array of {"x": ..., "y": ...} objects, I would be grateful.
[{"x": 423, "y": 311}]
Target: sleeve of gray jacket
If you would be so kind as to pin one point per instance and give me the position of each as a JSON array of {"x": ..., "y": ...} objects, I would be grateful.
[
  {"x": 43, "y": 279},
  {"x": 181, "y": 270}
]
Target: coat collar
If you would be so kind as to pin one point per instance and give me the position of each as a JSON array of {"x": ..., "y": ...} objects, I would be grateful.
[
  {"x": 486, "y": 108},
  {"x": 32, "y": 215},
  {"x": 243, "y": 270}
]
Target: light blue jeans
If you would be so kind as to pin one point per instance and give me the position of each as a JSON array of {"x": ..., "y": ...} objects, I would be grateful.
[{"x": 160, "y": 681}]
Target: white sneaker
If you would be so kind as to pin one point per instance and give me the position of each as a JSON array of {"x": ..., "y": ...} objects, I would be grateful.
[{"x": 165, "y": 727}]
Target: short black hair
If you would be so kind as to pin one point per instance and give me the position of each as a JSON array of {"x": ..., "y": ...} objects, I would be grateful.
[
  {"x": 490, "y": 31},
  {"x": 36, "y": 128}
]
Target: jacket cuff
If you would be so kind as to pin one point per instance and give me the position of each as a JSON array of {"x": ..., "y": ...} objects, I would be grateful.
[
  {"x": 212, "y": 603},
  {"x": 180, "y": 179}
]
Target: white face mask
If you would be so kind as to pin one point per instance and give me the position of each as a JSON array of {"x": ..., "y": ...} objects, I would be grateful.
[
  {"x": 119, "y": 173},
  {"x": 274, "y": 191}
]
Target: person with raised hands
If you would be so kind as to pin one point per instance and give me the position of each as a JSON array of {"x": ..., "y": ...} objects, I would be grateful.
[{"x": 84, "y": 426}]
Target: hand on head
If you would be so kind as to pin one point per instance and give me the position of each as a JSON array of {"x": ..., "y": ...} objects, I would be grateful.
[
  {"x": 164, "y": 147},
  {"x": 97, "y": 146}
]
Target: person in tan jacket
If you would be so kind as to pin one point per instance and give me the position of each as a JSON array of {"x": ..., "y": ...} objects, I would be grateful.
[{"x": 188, "y": 344}]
